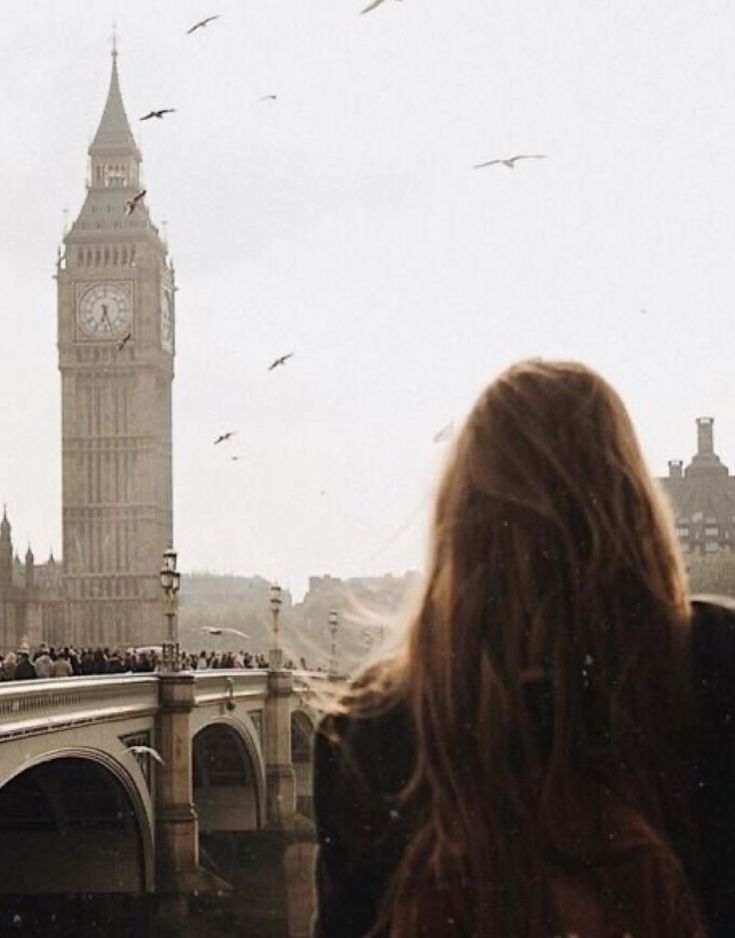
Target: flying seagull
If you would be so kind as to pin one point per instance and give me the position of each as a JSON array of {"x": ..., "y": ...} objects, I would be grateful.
[
  {"x": 202, "y": 23},
  {"x": 280, "y": 361},
  {"x": 223, "y": 631},
  {"x": 224, "y": 436},
  {"x": 445, "y": 433},
  {"x": 148, "y": 751},
  {"x": 371, "y": 6},
  {"x": 234, "y": 458},
  {"x": 511, "y": 161},
  {"x": 159, "y": 114},
  {"x": 124, "y": 341},
  {"x": 131, "y": 204},
  {"x": 269, "y": 97}
]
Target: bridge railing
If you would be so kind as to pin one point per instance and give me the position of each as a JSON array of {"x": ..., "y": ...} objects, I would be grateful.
[
  {"x": 46, "y": 706},
  {"x": 229, "y": 684}
]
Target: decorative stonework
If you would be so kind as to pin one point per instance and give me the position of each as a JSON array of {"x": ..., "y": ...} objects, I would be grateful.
[
  {"x": 257, "y": 717},
  {"x": 143, "y": 759}
]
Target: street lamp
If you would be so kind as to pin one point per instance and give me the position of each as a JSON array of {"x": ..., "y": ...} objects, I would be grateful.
[
  {"x": 275, "y": 656},
  {"x": 333, "y": 626},
  {"x": 170, "y": 583}
]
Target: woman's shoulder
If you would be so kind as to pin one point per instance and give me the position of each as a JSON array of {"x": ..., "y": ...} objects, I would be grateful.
[
  {"x": 713, "y": 654},
  {"x": 713, "y": 606},
  {"x": 713, "y": 629},
  {"x": 368, "y": 736}
]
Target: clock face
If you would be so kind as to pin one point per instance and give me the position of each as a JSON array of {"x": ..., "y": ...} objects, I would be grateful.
[
  {"x": 167, "y": 321},
  {"x": 104, "y": 312}
]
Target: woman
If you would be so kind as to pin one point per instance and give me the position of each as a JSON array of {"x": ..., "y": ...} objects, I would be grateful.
[{"x": 551, "y": 752}]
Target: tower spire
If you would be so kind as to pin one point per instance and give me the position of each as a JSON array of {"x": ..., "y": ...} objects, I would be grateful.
[{"x": 114, "y": 135}]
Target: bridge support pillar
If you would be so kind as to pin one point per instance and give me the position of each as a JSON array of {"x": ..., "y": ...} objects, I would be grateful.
[
  {"x": 279, "y": 770},
  {"x": 178, "y": 873},
  {"x": 287, "y": 842},
  {"x": 177, "y": 846}
]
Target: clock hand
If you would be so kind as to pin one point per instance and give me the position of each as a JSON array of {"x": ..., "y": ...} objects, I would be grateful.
[{"x": 104, "y": 318}]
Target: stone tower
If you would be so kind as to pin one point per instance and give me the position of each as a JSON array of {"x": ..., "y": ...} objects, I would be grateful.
[
  {"x": 116, "y": 350},
  {"x": 6, "y": 555}
]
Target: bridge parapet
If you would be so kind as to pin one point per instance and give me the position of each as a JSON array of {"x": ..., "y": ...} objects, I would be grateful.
[
  {"x": 229, "y": 685},
  {"x": 45, "y": 706}
]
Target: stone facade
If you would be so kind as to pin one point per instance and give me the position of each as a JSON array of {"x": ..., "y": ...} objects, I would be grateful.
[{"x": 702, "y": 495}]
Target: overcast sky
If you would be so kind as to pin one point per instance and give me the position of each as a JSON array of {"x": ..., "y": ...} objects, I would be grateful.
[{"x": 344, "y": 222}]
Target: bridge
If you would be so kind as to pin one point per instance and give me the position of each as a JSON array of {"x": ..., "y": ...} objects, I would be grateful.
[{"x": 84, "y": 810}]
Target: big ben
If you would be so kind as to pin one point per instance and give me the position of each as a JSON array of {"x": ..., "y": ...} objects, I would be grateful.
[{"x": 116, "y": 349}]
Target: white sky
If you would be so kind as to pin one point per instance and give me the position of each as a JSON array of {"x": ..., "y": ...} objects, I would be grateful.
[{"x": 344, "y": 222}]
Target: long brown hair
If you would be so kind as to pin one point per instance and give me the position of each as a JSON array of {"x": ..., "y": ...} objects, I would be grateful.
[{"x": 543, "y": 671}]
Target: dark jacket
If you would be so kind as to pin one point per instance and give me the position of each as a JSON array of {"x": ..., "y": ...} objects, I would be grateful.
[
  {"x": 362, "y": 832},
  {"x": 24, "y": 670}
]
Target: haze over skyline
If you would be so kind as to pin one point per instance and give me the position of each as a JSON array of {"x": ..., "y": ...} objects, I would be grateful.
[{"x": 343, "y": 222}]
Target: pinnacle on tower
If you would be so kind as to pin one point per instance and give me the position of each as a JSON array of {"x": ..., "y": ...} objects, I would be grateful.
[
  {"x": 5, "y": 526},
  {"x": 114, "y": 134}
]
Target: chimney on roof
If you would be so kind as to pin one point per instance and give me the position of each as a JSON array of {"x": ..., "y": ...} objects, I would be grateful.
[
  {"x": 675, "y": 469},
  {"x": 705, "y": 436}
]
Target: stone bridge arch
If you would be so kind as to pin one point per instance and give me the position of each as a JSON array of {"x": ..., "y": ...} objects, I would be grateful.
[
  {"x": 74, "y": 821},
  {"x": 228, "y": 775}
]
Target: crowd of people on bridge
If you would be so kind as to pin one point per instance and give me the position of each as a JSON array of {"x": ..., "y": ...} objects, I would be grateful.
[{"x": 49, "y": 662}]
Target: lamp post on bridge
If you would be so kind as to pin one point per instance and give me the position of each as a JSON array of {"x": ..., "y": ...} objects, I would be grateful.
[
  {"x": 170, "y": 583},
  {"x": 275, "y": 656},
  {"x": 333, "y": 627}
]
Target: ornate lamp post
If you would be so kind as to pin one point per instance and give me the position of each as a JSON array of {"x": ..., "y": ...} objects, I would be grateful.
[
  {"x": 170, "y": 583},
  {"x": 333, "y": 626},
  {"x": 275, "y": 656}
]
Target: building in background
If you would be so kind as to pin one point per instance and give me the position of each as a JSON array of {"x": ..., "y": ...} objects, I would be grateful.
[
  {"x": 702, "y": 495},
  {"x": 31, "y": 604}
]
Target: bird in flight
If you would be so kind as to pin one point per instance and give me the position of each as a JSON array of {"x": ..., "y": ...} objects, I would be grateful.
[
  {"x": 132, "y": 204},
  {"x": 269, "y": 97},
  {"x": 445, "y": 433},
  {"x": 280, "y": 361},
  {"x": 159, "y": 114},
  {"x": 124, "y": 341},
  {"x": 148, "y": 751},
  {"x": 511, "y": 161},
  {"x": 223, "y": 631},
  {"x": 234, "y": 458},
  {"x": 202, "y": 23},
  {"x": 224, "y": 436},
  {"x": 371, "y": 6}
]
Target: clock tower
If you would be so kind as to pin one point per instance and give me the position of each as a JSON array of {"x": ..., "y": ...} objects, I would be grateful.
[{"x": 116, "y": 349}]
